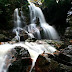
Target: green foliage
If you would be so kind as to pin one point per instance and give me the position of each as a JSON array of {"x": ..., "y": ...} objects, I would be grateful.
[{"x": 42, "y": 1}]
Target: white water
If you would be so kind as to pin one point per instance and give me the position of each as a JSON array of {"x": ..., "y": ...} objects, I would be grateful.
[
  {"x": 3, "y": 55},
  {"x": 34, "y": 30},
  {"x": 57, "y": 1},
  {"x": 17, "y": 21},
  {"x": 35, "y": 49},
  {"x": 17, "y": 24},
  {"x": 49, "y": 32},
  {"x": 17, "y": 36},
  {"x": 23, "y": 23},
  {"x": 32, "y": 27}
]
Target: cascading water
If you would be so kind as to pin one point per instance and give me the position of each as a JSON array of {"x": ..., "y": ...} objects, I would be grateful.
[
  {"x": 34, "y": 30},
  {"x": 3, "y": 56},
  {"x": 17, "y": 21},
  {"x": 48, "y": 31},
  {"x": 17, "y": 24},
  {"x": 34, "y": 48},
  {"x": 32, "y": 27},
  {"x": 23, "y": 23}
]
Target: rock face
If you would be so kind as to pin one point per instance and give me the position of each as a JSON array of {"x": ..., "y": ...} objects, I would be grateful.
[{"x": 23, "y": 35}]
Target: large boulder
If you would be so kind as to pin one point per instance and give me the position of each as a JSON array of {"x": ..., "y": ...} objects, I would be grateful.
[{"x": 21, "y": 60}]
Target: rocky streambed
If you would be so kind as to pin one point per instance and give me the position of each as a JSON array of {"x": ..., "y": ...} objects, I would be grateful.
[{"x": 60, "y": 61}]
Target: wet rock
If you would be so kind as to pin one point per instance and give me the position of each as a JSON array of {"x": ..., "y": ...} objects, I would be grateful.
[
  {"x": 44, "y": 65},
  {"x": 41, "y": 64},
  {"x": 53, "y": 66},
  {"x": 57, "y": 44},
  {"x": 23, "y": 38},
  {"x": 68, "y": 50},
  {"x": 61, "y": 61},
  {"x": 44, "y": 61},
  {"x": 21, "y": 52},
  {"x": 20, "y": 65},
  {"x": 31, "y": 39},
  {"x": 23, "y": 35},
  {"x": 22, "y": 61},
  {"x": 65, "y": 68},
  {"x": 70, "y": 46},
  {"x": 14, "y": 39},
  {"x": 65, "y": 56},
  {"x": 57, "y": 64}
]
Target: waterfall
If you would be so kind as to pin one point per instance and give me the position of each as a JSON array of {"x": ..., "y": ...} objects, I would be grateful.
[
  {"x": 41, "y": 31},
  {"x": 34, "y": 48},
  {"x": 3, "y": 56},
  {"x": 23, "y": 23},
  {"x": 17, "y": 23},
  {"x": 49, "y": 32},
  {"x": 32, "y": 27},
  {"x": 34, "y": 30}
]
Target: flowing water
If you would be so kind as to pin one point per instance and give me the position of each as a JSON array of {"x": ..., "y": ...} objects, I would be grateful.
[
  {"x": 32, "y": 27},
  {"x": 42, "y": 31},
  {"x": 34, "y": 48},
  {"x": 17, "y": 21},
  {"x": 34, "y": 30},
  {"x": 3, "y": 55},
  {"x": 17, "y": 24},
  {"x": 23, "y": 23},
  {"x": 49, "y": 32}
]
